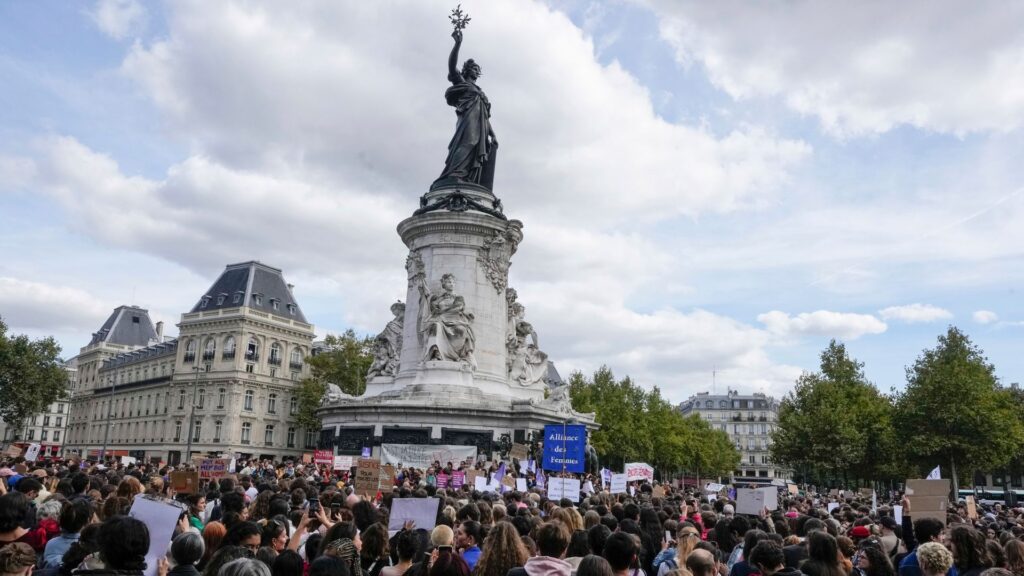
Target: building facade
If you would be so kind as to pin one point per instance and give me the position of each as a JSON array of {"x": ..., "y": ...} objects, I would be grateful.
[
  {"x": 229, "y": 381},
  {"x": 749, "y": 420},
  {"x": 48, "y": 429}
]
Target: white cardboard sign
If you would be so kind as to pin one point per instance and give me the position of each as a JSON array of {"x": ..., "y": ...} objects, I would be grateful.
[{"x": 559, "y": 488}]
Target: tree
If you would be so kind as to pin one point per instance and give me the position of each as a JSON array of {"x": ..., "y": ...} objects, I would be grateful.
[
  {"x": 32, "y": 375},
  {"x": 640, "y": 425},
  {"x": 345, "y": 363},
  {"x": 954, "y": 412},
  {"x": 835, "y": 423}
]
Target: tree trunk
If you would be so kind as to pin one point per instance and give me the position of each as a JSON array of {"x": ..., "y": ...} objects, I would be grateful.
[{"x": 956, "y": 481}]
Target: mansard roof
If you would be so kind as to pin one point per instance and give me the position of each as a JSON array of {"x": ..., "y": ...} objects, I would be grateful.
[
  {"x": 254, "y": 285},
  {"x": 128, "y": 326}
]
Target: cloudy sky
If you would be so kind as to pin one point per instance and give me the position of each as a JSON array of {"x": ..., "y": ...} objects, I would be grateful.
[{"x": 707, "y": 187}]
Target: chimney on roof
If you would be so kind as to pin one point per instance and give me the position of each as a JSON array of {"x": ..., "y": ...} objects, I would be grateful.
[
  {"x": 290, "y": 286},
  {"x": 160, "y": 332}
]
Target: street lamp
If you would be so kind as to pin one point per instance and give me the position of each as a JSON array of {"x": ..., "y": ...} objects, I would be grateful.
[
  {"x": 110, "y": 411},
  {"x": 192, "y": 414}
]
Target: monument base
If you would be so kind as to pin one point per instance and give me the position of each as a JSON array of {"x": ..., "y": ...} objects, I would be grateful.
[{"x": 439, "y": 415}]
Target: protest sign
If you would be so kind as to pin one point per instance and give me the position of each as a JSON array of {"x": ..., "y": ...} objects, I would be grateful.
[
  {"x": 161, "y": 518},
  {"x": 929, "y": 498},
  {"x": 897, "y": 514},
  {"x": 126, "y": 460},
  {"x": 32, "y": 452},
  {"x": 793, "y": 489},
  {"x": 184, "y": 482},
  {"x": 210, "y": 468},
  {"x": 617, "y": 484},
  {"x": 588, "y": 487},
  {"x": 342, "y": 462},
  {"x": 480, "y": 484},
  {"x": 832, "y": 506},
  {"x": 323, "y": 457},
  {"x": 508, "y": 482},
  {"x": 424, "y": 455},
  {"x": 387, "y": 477},
  {"x": 658, "y": 492},
  {"x": 754, "y": 500},
  {"x": 521, "y": 484},
  {"x": 422, "y": 511},
  {"x": 13, "y": 451},
  {"x": 559, "y": 488},
  {"x": 639, "y": 471},
  {"x": 564, "y": 447},
  {"x": 472, "y": 475},
  {"x": 442, "y": 480},
  {"x": 367, "y": 476},
  {"x": 366, "y": 451},
  {"x": 972, "y": 508},
  {"x": 713, "y": 487},
  {"x": 519, "y": 452},
  {"x": 458, "y": 479}
]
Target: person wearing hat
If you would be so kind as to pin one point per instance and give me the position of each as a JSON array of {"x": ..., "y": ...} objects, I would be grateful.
[
  {"x": 891, "y": 543},
  {"x": 858, "y": 533}
]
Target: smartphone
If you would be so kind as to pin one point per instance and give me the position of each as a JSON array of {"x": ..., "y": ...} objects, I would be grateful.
[
  {"x": 668, "y": 535},
  {"x": 314, "y": 507}
]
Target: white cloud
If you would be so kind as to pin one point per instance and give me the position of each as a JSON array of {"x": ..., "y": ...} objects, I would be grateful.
[
  {"x": 914, "y": 313},
  {"x": 985, "y": 317},
  {"x": 311, "y": 137},
  {"x": 37, "y": 306},
  {"x": 119, "y": 18},
  {"x": 862, "y": 67},
  {"x": 843, "y": 325}
]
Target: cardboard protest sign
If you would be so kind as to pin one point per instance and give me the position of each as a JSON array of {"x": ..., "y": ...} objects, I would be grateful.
[
  {"x": 12, "y": 451},
  {"x": 161, "y": 517},
  {"x": 713, "y": 487},
  {"x": 422, "y": 511},
  {"x": 480, "y": 484},
  {"x": 658, "y": 492},
  {"x": 519, "y": 452},
  {"x": 367, "y": 476},
  {"x": 617, "y": 484},
  {"x": 323, "y": 457},
  {"x": 793, "y": 489},
  {"x": 521, "y": 484},
  {"x": 509, "y": 482},
  {"x": 127, "y": 460},
  {"x": 972, "y": 508},
  {"x": 210, "y": 468},
  {"x": 185, "y": 482},
  {"x": 472, "y": 475},
  {"x": 897, "y": 514},
  {"x": 458, "y": 479},
  {"x": 342, "y": 462},
  {"x": 929, "y": 498},
  {"x": 387, "y": 477}
]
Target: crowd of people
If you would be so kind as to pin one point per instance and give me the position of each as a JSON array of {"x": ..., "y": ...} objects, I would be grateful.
[{"x": 60, "y": 519}]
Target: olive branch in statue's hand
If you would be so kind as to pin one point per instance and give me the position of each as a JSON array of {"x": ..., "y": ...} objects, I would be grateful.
[{"x": 459, "y": 20}]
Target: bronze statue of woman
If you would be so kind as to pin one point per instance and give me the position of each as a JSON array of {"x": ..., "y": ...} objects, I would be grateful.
[{"x": 472, "y": 150}]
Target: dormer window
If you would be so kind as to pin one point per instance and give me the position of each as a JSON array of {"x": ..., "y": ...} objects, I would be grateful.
[
  {"x": 204, "y": 302},
  {"x": 291, "y": 309},
  {"x": 275, "y": 303},
  {"x": 257, "y": 299},
  {"x": 220, "y": 300},
  {"x": 236, "y": 298}
]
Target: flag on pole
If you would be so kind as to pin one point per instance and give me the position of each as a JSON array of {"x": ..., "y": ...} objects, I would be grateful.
[
  {"x": 499, "y": 473},
  {"x": 541, "y": 480},
  {"x": 935, "y": 474}
]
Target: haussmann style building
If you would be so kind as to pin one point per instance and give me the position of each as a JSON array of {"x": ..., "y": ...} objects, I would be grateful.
[
  {"x": 237, "y": 362},
  {"x": 749, "y": 420}
]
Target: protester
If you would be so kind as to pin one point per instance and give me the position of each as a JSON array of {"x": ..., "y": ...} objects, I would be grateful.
[
  {"x": 73, "y": 518},
  {"x": 552, "y": 543},
  {"x": 17, "y": 559},
  {"x": 934, "y": 559},
  {"x": 187, "y": 549},
  {"x": 593, "y": 565}
]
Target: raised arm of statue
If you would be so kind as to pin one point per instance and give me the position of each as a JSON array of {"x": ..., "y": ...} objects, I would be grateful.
[{"x": 453, "y": 59}]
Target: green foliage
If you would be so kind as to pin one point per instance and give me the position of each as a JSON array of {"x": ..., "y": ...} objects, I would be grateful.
[
  {"x": 954, "y": 412},
  {"x": 345, "y": 363},
  {"x": 836, "y": 424},
  {"x": 31, "y": 375},
  {"x": 637, "y": 425}
]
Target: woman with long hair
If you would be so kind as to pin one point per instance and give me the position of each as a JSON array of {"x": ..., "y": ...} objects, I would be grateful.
[
  {"x": 213, "y": 535},
  {"x": 872, "y": 560},
  {"x": 970, "y": 554},
  {"x": 1014, "y": 552},
  {"x": 375, "y": 554},
  {"x": 503, "y": 550},
  {"x": 822, "y": 556},
  {"x": 17, "y": 559}
]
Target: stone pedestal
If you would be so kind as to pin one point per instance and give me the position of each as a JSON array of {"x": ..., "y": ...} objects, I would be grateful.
[{"x": 458, "y": 231}]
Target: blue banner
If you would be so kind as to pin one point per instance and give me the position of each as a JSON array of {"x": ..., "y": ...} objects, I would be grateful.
[{"x": 564, "y": 447}]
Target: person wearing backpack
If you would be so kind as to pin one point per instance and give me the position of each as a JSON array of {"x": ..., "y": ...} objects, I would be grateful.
[{"x": 687, "y": 537}]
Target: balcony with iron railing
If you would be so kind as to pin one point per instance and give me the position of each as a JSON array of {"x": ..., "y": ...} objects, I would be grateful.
[
  {"x": 295, "y": 365},
  {"x": 274, "y": 361},
  {"x": 252, "y": 356},
  {"x": 190, "y": 356},
  {"x": 209, "y": 355},
  {"x": 227, "y": 355}
]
